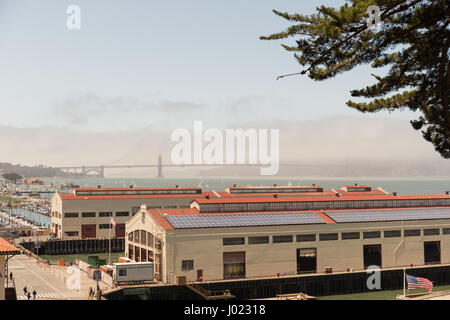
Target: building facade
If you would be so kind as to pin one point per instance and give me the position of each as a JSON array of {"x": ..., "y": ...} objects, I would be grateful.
[
  {"x": 231, "y": 238},
  {"x": 87, "y": 212}
]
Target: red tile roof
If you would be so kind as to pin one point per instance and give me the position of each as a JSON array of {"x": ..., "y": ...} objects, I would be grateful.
[
  {"x": 7, "y": 248},
  {"x": 71, "y": 196},
  {"x": 132, "y": 189},
  {"x": 325, "y": 198}
]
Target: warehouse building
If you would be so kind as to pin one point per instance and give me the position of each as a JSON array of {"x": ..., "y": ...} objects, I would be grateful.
[
  {"x": 87, "y": 212},
  {"x": 255, "y": 237}
]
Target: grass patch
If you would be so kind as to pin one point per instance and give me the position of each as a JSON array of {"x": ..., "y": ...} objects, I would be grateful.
[
  {"x": 380, "y": 295},
  {"x": 68, "y": 258}
]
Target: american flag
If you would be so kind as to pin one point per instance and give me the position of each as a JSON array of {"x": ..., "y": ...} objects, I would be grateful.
[
  {"x": 417, "y": 282},
  {"x": 113, "y": 222}
]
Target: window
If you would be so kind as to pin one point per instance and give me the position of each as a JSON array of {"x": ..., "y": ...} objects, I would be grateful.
[
  {"x": 328, "y": 236},
  {"x": 136, "y": 236},
  {"x": 305, "y": 237},
  {"x": 432, "y": 252},
  {"x": 282, "y": 239},
  {"x": 445, "y": 230},
  {"x": 71, "y": 215},
  {"x": 123, "y": 272},
  {"x": 233, "y": 241},
  {"x": 233, "y": 265},
  {"x": 371, "y": 234},
  {"x": 134, "y": 210},
  {"x": 104, "y": 226},
  {"x": 122, "y": 214},
  {"x": 392, "y": 233},
  {"x": 143, "y": 237},
  {"x": 412, "y": 233},
  {"x": 372, "y": 255},
  {"x": 88, "y": 214},
  {"x": 350, "y": 235},
  {"x": 149, "y": 239},
  {"x": 130, "y": 236},
  {"x": 187, "y": 265},
  {"x": 258, "y": 240},
  {"x": 105, "y": 214},
  {"x": 431, "y": 232},
  {"x": 71, "y": 233},
  {"x": 306, "y": 260}
]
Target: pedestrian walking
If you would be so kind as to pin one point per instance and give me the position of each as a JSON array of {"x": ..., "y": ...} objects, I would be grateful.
[
  {"x": 25, "y": 290},
  {"x": 34, "y": 294},
  {"x": 28, "y": 295},
  {"x": 10, "y": 276}
]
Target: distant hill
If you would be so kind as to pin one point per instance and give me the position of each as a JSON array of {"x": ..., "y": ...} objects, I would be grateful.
[{"x": 36, "y": 171}]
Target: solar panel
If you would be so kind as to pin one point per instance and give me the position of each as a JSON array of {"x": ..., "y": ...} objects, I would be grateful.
[
  {"x": 371, "y": 215},
  {"x": 242, "y": 220}
]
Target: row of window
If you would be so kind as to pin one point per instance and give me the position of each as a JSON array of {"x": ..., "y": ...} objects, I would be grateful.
[
  {"x": 93, "y": 214},
  {"x": 276, "y": 190},
  {"x": 136, "y": 192},
  {"x": 318, "y": 205},
  {"x": 334, "y": 236},
  {"x": 135, "y": 210},
  {"x": 145, "y": 238}
]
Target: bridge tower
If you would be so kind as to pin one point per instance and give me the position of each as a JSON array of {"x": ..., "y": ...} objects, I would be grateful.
[{"x": 160, "y": 174}]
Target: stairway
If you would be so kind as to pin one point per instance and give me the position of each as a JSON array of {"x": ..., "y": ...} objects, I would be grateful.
[{"x": 208, "y": 294}]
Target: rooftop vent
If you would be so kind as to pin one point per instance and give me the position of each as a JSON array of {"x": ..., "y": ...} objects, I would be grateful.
[
  {"x": 274, "y": 184},
  {"x": 234, "y": 185},
  {"x": 99, "y": 186},
  {"x": 338, "y": 194},
  {"x": 207, "y": 196},
  {"x": 313, "y": 184},
  {"x": 446, "y": 192},
  {"x": 131, "y": 186},
  {"x": 394, "y": 193},
  {"x": 356, "y": 184},
  {"x": 275, "y": 196},
  {"x": 177, "y": 186}
]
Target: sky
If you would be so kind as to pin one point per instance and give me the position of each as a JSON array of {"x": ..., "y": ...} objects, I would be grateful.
[{"x": 141, "y": 69}]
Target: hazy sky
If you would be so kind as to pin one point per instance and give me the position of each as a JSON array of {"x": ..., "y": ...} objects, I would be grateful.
[{"x": 144, "y": 66}]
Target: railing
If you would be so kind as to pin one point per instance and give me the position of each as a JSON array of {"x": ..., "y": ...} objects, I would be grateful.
[{"x": 209, "y": 294}]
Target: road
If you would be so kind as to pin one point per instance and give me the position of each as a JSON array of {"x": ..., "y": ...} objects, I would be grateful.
[{"x": 49, "y": 282}]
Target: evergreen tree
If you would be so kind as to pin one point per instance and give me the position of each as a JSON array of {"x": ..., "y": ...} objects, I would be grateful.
[{"x": 411, "y": 39}]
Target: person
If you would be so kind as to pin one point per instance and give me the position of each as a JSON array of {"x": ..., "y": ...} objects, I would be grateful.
[
  {"x": 25, "y": 290},
  {"x": 28, "y": 295},
  {"x": 10, "y": 276},
  {"x": 34, "y": 294},
  {"x": 91, "y": 293}
]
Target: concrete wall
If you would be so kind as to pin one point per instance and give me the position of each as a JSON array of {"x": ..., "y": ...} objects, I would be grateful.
[{"x": 206, "y": 248}]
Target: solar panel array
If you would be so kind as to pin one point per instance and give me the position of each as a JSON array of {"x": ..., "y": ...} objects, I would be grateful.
[
  {"x": 372, "y": 215},
  {"x": 242, "y": 220}
]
